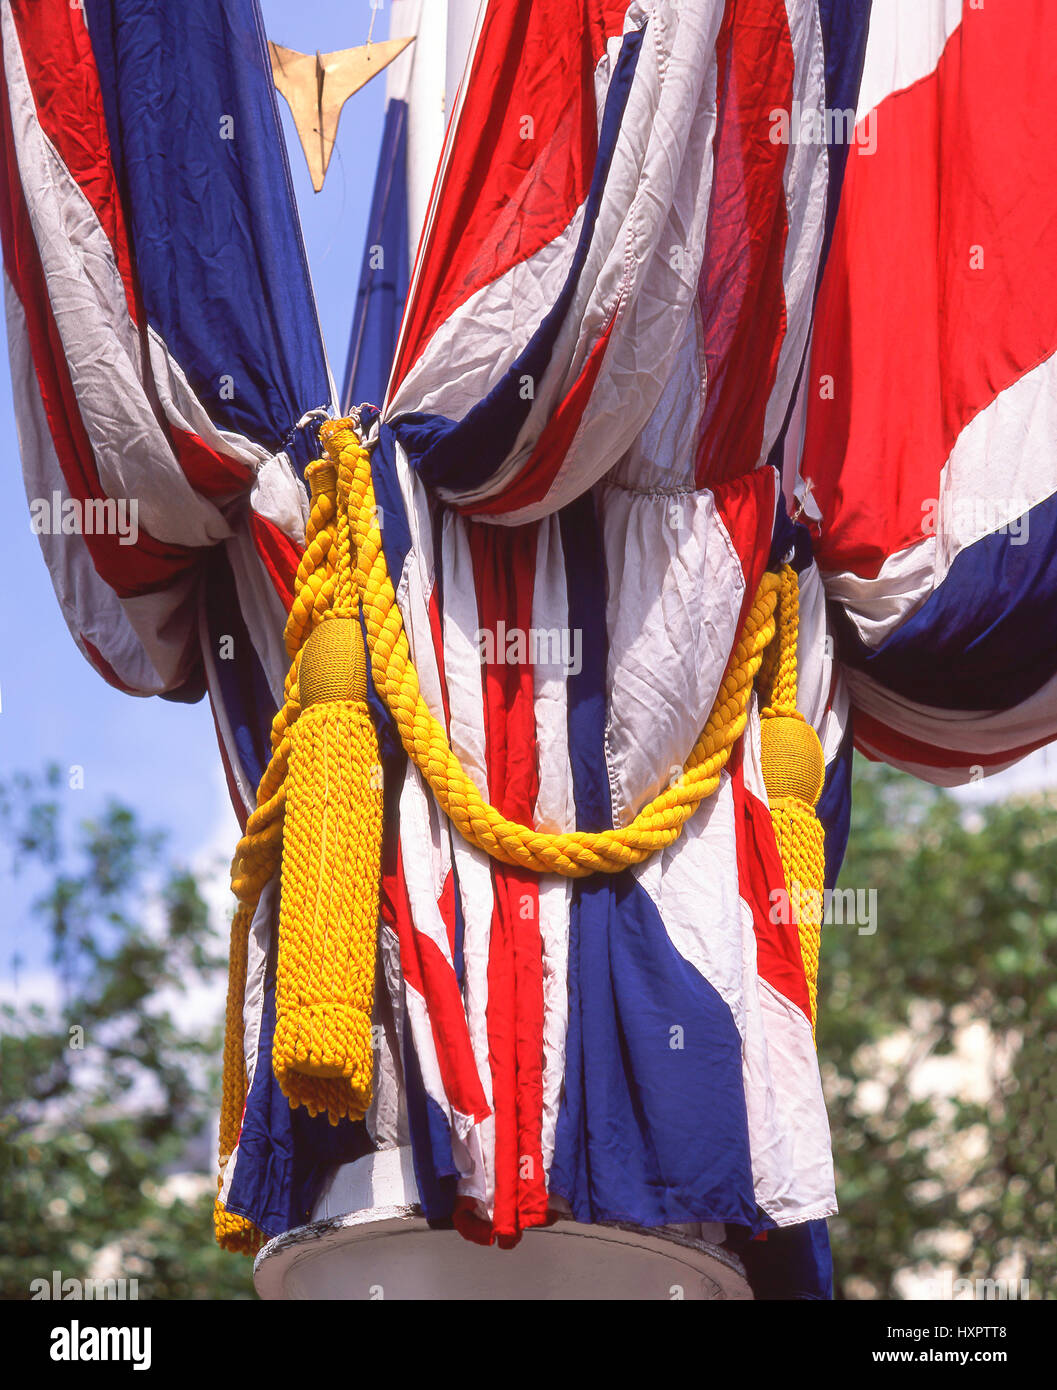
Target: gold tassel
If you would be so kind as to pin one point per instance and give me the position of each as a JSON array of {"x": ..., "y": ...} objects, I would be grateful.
[
  {"x": 794, "y": 770},
  {"x": 235, "y": 1233},
  {"x": 332, "y": 853},
  {"x": 331, "y": 869},
  {"x": 324, "y": 768}
]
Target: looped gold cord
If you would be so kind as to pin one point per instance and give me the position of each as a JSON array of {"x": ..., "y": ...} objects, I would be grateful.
[{"x": 573, "y": 853}]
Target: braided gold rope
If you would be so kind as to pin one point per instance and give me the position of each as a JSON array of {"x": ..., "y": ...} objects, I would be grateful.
[
  {"x": 784, "y": 683},
  {"x": 234, "y": 1232},
  {"x": 573, "y": 853}
]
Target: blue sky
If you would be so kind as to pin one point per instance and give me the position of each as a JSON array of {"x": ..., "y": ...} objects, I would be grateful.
[{"x": 162, "y": 758}]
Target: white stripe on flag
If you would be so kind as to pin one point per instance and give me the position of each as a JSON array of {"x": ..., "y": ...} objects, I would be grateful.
[
  {"x": 554, "y": 811},
  {"x": 462, "y": 666},
  {"x": 1011, "y": 439},
  {"x": 905, "y": 42},
  {"x": 667, "y": 649}
]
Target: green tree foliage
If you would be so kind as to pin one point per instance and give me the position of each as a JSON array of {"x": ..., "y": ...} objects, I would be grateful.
[
  {"x": 945, "y": 1155},
  {"x": 938, "y": 1038},
  {"x": 107, "y": 1101}
]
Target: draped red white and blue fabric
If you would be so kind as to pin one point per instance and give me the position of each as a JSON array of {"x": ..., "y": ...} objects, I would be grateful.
[
  {"x": 164, "y": 343},
  {"x": 928, "y": 464},
  {"x": 612, "y": 227},
  {"x": 629, "y": 300},
  {"x": 166, "y": 356},
  {"x": 655, "y": 304}
]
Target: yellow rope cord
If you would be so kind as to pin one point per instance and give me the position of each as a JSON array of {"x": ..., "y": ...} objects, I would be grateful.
[
  {"x": 794, "y": 771},
  {"x": 573, "y": 853},
  {"x": 784, "y": 689}
]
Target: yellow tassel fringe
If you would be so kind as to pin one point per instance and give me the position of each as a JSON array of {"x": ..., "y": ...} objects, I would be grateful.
[
  {"x": 794, "y": 771},
  {"x": 328, "y": 916},
  {"x": 258, "y": 854}
]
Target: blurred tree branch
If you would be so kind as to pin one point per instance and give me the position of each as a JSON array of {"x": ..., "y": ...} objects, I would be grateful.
[
  {"x": 107, "y": 1100},
  {"x": 936, "y": 1036}
]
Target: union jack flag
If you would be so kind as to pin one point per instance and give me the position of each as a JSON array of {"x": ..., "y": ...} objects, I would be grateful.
[{"x": 682, "y": 288}]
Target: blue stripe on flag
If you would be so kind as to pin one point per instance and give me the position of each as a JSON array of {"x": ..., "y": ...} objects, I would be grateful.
[
  {"x": 647, "y": 1132},
  {"x": 392, "y": 516},
  {"x": 834, "y": 805},
  {"x": 243, "y": 689},
  {"x": 212, "y": 222},
  {"x": 585, "y": 584},
  {"x": 987, "y": 637},
  {"x": 435, "y": 1171},
  {"x": 262, "y": 1183},
  {"x": 792, "y": 1263},
  {"x": 653, "y": 1127},
  {"x": 845, "y": 25},
  {"x": 284, "y": 1156}
]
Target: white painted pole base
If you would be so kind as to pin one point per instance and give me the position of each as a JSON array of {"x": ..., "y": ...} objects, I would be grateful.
[{"x": 369, "y": 1241}]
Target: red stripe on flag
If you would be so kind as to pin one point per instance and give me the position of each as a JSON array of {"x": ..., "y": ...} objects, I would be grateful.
[
  {"x": 60, "y": 66},
  {"x": 510, "y": 187},
  {"x": 747, "y": 508},
  {"x": 760, "y": 873},
  {"x": 876, "y": 740},
  {"x": 939, "y": 291},
  {"x": 210, "y": 473},
  {"x": 279, "y": 556},
  {"x": 426, "y": 971},
  {"x": 504, "y": 562},
  {"x": 446, "y": 904},
  {"x": 741, "y": 291}
]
